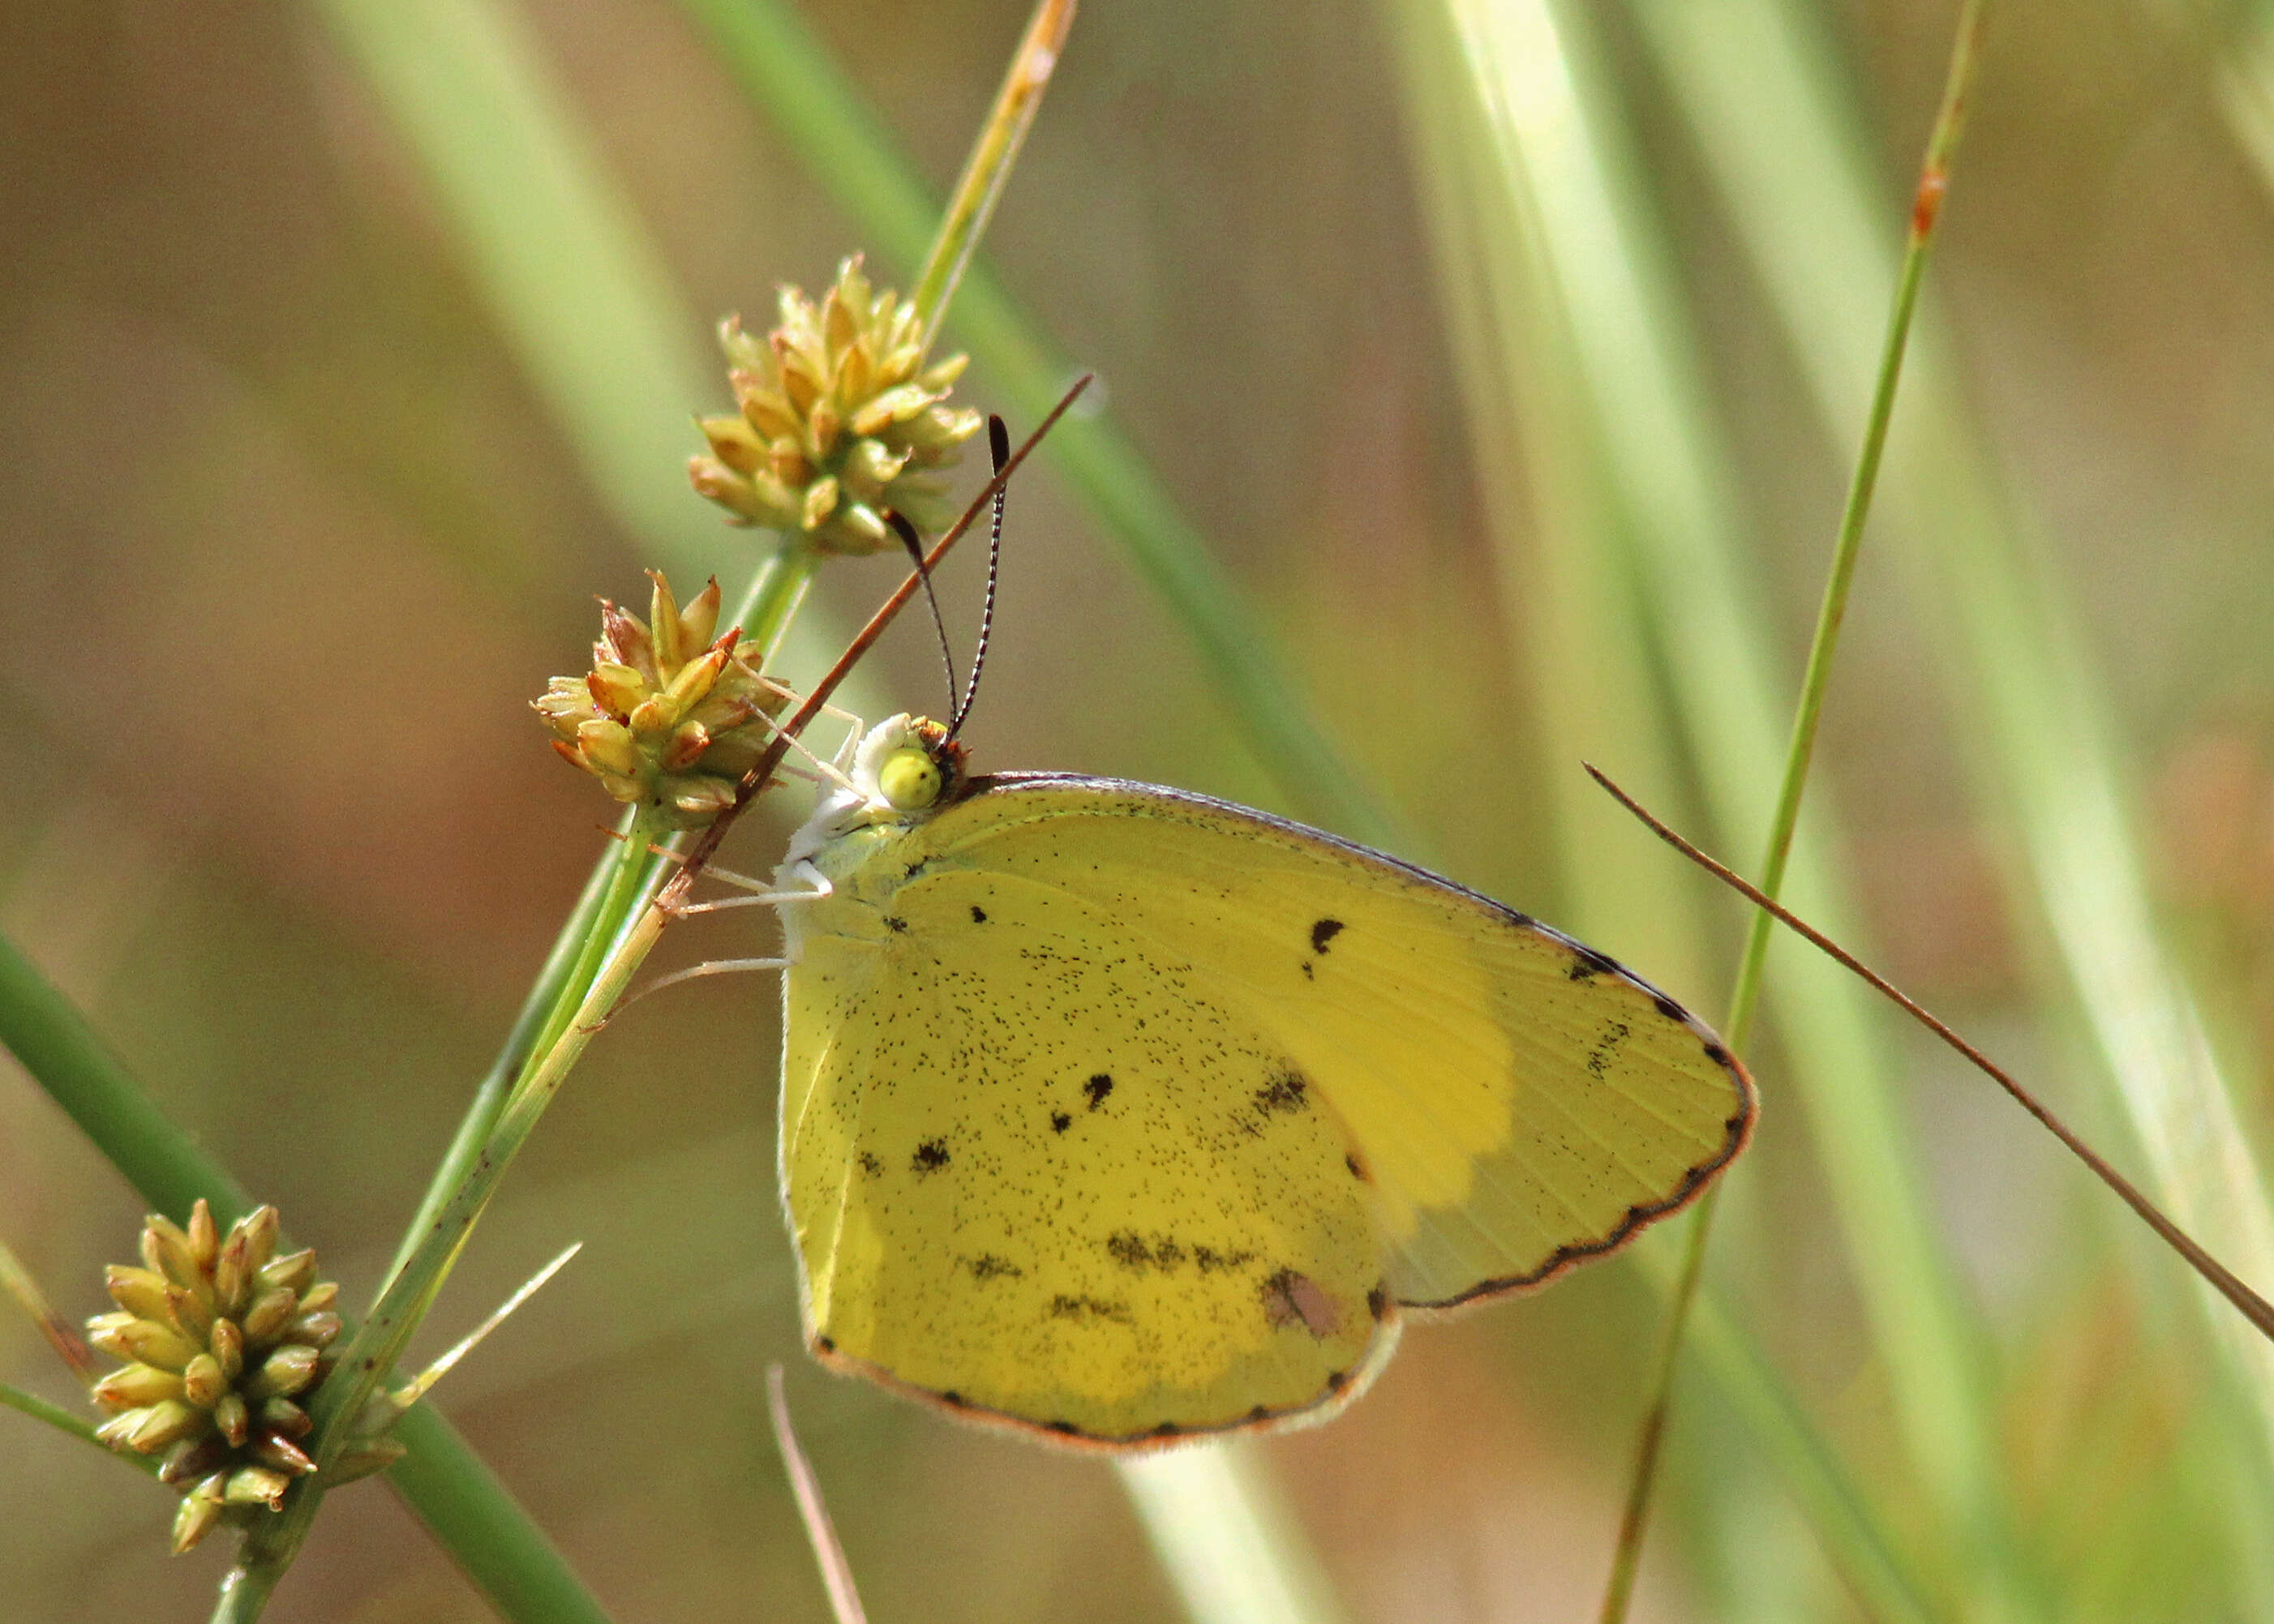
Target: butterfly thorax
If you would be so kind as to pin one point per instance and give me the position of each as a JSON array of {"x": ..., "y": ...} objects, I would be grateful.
[{"x": 905, "y": 769}]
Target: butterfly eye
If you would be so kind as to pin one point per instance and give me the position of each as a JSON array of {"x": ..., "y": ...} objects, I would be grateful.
[{"x": 909, "y": 781}]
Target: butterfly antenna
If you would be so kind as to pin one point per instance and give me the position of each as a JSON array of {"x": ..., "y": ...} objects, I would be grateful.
[
  {"x": 914, "y": 543},
  {"x": 998, "y": 446}
]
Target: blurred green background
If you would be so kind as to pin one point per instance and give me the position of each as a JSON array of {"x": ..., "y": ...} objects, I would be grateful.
[{"x": 1505, "y": 357}]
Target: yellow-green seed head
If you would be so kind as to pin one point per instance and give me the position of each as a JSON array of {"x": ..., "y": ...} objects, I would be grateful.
[
  {"x": 223, "y": 1340},
  {"x": 667, "y": 718},
  {"x": 842, "y": 421}
]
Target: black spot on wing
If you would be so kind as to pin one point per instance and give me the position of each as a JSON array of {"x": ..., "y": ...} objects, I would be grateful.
[
  {"x": 978, "y": 914},
  {"x": 987, "y": 1265},
  {"x": 1208, "y": 1260},
  {"x": 1377, "y": 1301},
  {"x": 1064, "y": 1307},
  {"x": 1097, "y": 1088},
  {"x": 1717, "y": 1054},
  {"x": 895, "y": 924},
  {"x": 1323, "y": 932},
  {"x": 1284, "y": 1092},
  {"x": 1586, "y": 962},
  {"x": 1357, "y": 1169},
  {"x": 871, "y": 1165},
  {"x": 1133, "y": 1250},
  {"x": 930, "y": 1156},
  {"x": 1668, "y": 1007},
  {"x": 1060, "y": 1122},
  {"x": 1607, "y": 1046}
]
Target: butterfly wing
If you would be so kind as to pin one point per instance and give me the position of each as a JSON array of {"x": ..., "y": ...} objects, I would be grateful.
[
  {"x": 1368, "y": 1086},
  {"x": 1030, "y": 1176}
]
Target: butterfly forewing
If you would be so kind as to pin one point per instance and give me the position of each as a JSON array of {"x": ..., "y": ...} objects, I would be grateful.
[{"x": 1517, "y": 1100}]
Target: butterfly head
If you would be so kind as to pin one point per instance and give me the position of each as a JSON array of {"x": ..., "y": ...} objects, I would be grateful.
[{"x": 905, "y": 768}]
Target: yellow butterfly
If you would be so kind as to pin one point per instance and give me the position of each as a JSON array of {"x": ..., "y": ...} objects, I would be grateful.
[{"x": 1119, "y": 1114}]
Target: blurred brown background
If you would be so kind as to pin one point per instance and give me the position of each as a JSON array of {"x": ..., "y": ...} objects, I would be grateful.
[{"x": 286, "y": 542}]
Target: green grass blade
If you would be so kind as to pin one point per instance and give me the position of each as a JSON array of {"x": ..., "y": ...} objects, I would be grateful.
[
  {"x": 1224, "y": 1537},
  {"x": 53, "y": 1042},
  {"x": 1563, "y": 156},
  {"x": 1821, "y": 228},
  {"x": 1851, "y": 1531},
  {"x": 1575, "y": 605},
  {"x": 790, "y": 77},
  {"x": 472, "y": 1514},
  {"x": 1847, "y": 550}
]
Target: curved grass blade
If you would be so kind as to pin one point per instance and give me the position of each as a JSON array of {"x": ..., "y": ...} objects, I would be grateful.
[
  {"x": 1777, "y": 127},
  {"x": 1560, "y": 157}
]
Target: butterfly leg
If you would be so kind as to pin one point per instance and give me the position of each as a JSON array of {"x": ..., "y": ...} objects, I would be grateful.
[
  {"x": 818, "y": 887},
  {"x": 834, "y": 772},
  {"x": 708, "y": 967}
]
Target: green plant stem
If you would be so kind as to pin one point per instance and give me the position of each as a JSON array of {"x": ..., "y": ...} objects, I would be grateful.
[
  {"x": 987, "y": 169},
  {"x": 535, "y": 1014},
  {"x": 627, "y": 863},
  {"x": 64, "y": 1421},
  {"x": 1926, "y": 213},
  {"x": 378, "y": 1343},
  {"x": 244, "y": 1591},
  {"x": 607, "y": 902}
]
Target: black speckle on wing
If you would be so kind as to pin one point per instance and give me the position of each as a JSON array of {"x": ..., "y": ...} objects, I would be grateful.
[
  {"x": 1607, "y": 1047},
  {"x": 1323, "y": 932},
  {"x": 930, "y": 1156}
]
